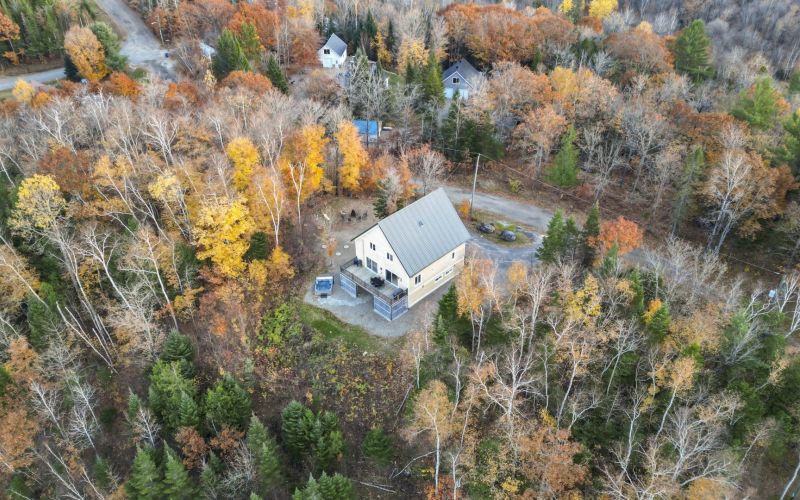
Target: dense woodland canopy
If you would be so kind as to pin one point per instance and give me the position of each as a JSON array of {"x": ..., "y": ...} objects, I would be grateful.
[{"x": 156, "y": 238}]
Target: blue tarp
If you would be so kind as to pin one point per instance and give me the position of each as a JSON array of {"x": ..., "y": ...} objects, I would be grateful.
[{"x": 362, "y": 126}]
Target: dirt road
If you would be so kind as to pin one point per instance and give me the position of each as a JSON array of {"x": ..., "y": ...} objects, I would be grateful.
[{"x": 140, "y": 46}]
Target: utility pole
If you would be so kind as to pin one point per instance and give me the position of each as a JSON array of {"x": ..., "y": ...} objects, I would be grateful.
[{"x": 474, "y": 183}]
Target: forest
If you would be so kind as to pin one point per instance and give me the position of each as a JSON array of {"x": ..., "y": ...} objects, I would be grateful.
[{"x": 157, "y": 238}]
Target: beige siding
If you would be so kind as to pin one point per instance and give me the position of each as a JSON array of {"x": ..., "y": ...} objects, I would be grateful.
[
  {"x": 436, "y": 275},
  {"x": 379, "y": 255}
]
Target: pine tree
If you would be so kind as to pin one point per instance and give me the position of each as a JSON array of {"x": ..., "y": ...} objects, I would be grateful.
[
  {"x": 637, "y": 302},
  {"x": 250, "y": 42},
  {"x": 309, "y": 492},
  {"x": 329, "y": 450},
  {"x": 391, "y": 40},
  {"x": 453, "y": 129},
  {"x": 276, "y": 76},
  {"x": 380, "y": 207},
  {"x": 111, "y": 45},
  {"x": 554, "y": 244},
  {"x": 229, "y": 56},
  {"x": 103, "y": 475},
  {"x": 144, "y": 479},
  {"x": 227, "y": 403},
  {"x": 591, "y": 230},
  {"x": 572, "y": 237},
  {"x": 610, "y": 262},
  {"x": 176, "y": 484},
  {"x": 209, "y": 476},
  {"x": 178, "y": 347},
  {"x": 759, "y": 105},
  {"x": 70, "y": 70},
  {"x": 691, "y": 172},
  {"x": 432, "y": 84},
  {"x": 172, "y": 395},
  {"x": 42, "y": 317},
  {"x": 297, "y": 429},
  {"x": 188, "y": 414},
  {"x": 564, "y": 171},
  {"x": 658, "y": 320},
  {"x": 335, "y": 487},
  {"x": 693, "y": 51},
  {"x": 794, "y": 82},
  {"x": 377, "y": 446},
  {"x": 264, "y": 450},
  {"x": 789, "y": 153}
]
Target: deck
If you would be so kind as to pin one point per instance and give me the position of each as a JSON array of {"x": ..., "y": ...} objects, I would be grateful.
[{"x": 389, "y": 300}]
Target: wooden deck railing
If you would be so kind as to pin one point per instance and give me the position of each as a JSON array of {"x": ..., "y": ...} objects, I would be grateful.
[{"x": 390, "y": 294}]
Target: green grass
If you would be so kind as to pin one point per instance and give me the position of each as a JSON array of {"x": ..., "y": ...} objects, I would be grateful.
[{"x": 332, "y": 328}]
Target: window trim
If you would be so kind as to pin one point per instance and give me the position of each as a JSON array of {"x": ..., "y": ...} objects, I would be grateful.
[
  {"x": 326, "y": 52},
  {"x": 389, "y": 257},
  {"x": 372, "y": 246},
  {"x": 418, "y": 279},
  {"x": 456, "y": 80}
]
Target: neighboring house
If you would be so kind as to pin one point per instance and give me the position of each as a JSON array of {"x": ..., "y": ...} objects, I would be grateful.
[
  {"x": 461, "y": 77},
  {"x": 369, "y": 130},
  {"x": 416, "y": 250},
  {"x": 334, "y": 53}
]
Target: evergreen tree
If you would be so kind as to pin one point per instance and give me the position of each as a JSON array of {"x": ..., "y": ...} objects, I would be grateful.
[
  {"x": 209, "y": 476},
  {"x": 789, "y": 152},
  {"x": 335, "y": 487},
  {"x": 42, "y": 317},
  {"x": 250, "y": 42},
  {"x": 229, "y": 56},
  {"x": 103, "y": 475},
  {"x": 554, "y": 243},
  {"x": 265, "y": 453},
  {"x": 591, "y": 231},
  {"x": 144, "y": 479},
  {"x": 391, "y": 40},
  {"x": 610, "y": 262},
  {"x": 134, "y": 405},
  {"x": 572, "y": 237},
  {"x": 309, "y": 492},
  {"x": 453, "y": 128},
  {"x": 297, "y": 423},
  {"x": 172, "y": 395},
  {"x": 368, "y": 30},
  {"x": 329, "y": 450},
  {"x": 276, "y": 76},
  {"x": 564, "y": 171},
  {"x": 377, "y": 446},
  {"x": 176, "y": 484},
  {"x": 759, "y": 105},
  {"x": 794, "y": 82},
  {"x": 380, "y": 207},
  {"x": 658, "y": 322},
  {"x": 71, "y": 72},
  {"x": 432, "y": 84},
  {"x": 227, "y": 403},
  {"x": 410, "y": 73},
  {"x": 111, "y": 45},
  {"x": 693, "y": 51},
  {"x": 637, "y": 303},
  {"x": 691, "y": 173},
  {"x": 178, "y": 347}
]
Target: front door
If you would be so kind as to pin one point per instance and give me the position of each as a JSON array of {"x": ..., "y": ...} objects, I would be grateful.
[{"x": 391, "y": 277}]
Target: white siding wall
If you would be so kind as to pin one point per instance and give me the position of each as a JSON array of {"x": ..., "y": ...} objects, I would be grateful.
[
  {"x": 436, "y": 275},
  {"x": 382, "y": 247},
  {"x": 331, "y": 60}
]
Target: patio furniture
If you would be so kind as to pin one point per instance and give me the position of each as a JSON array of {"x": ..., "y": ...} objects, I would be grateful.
[{"x": 377, "y": 282}]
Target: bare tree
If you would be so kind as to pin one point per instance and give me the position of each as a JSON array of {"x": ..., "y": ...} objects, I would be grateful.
[{"x": 428, "y": 166}]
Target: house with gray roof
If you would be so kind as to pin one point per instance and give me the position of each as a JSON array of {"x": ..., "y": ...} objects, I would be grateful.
[
  {"x": 408, "y": 255},
  {"x": 334, "y": 53},
  {"x": 461, "y": 77}
]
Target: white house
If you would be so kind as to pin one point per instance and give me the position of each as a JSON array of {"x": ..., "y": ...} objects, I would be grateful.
[
  {"x": 461, "y": 77},
  {"x": 408, "y": 255},
  {"x": 334, "y": 53}
]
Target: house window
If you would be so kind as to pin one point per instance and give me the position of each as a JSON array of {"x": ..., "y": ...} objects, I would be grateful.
[
  {"x": 453, "y": 255},
  {"x": 456, "y": 80},
  {"x": 418, "y": 279},
  {"x": 372, "y": 265},
  {"x": 391, "y": 277},
  {"x": 372, "y": 246},
  {"x": 327, "y": 52},
  {"x": 389, "y": 257}
]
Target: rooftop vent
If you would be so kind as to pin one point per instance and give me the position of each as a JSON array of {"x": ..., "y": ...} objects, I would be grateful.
[{"x": 420, "y": 223}]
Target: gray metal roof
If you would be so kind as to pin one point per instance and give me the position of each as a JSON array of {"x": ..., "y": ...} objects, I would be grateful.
[
  {"x": 467, "y": 71},
  {"x": 336, "y": 44},
  {"x": 424, "y": 231}
]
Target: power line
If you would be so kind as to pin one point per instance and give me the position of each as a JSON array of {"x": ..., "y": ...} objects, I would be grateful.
[{"x": 562, "y": 192}]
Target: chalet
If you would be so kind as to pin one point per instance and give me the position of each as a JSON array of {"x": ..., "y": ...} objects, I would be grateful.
[
  {"x": 461, "y": 77},
  {"x": 407, "y": 256},
  {"x": 334, "y": 53}
]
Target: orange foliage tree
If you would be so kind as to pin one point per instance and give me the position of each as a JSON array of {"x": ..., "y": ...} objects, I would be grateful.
[
  {"x": 640, "y": 49},
  {"x": 86, "y": 53},
  {"x": 254, "y": 82},
  {"x": 264, "y": 20},
  {"x": 625, "y": 233},
  {"x": 122, "y": 85}
]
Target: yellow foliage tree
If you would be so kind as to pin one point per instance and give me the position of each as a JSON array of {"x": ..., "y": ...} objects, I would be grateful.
[
  {"x": 23, "y": 92},
  {"x": 39, "y": 202},
  {"x": 222, "y": 231},
  {"x": 602, "y": 8},
  {"x": 412, "y": 52},
  {"x": 383, "y": 54},
  {"x": 244, "y": 156},
  {"x": 86, "y": 53},
  {"x": 302, "y": 163},
  {"x": 354, "y": 156},
  {"x": 585, "y": 304}
]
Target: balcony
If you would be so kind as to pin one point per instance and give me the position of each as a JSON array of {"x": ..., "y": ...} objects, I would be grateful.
[{"x": 361, "y": 276}]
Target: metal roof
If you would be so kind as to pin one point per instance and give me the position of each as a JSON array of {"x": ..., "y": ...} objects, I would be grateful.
[
  {"x": 423, "y": 232},
  {"x": 463, "y": 68},
  {"x": 336, "y": 44}
]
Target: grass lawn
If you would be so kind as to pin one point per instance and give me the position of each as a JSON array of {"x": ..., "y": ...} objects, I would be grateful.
[{"x": 332, "y": 328}]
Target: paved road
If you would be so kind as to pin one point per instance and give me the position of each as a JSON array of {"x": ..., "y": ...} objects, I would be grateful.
[{"x": 140, "y": 46}]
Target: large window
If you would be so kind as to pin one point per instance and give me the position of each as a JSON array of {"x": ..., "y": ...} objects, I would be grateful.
[
  {"x": 372, "y": 265},
  {"x": 391, "y": 277}
]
